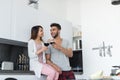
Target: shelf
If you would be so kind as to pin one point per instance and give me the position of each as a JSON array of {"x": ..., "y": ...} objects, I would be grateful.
[{"x": 77, "y": 37}]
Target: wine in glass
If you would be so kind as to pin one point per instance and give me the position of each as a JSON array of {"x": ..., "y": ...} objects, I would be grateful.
[
  {"x": 52, "y": 42},
  {"x": 46, "y": 44}
]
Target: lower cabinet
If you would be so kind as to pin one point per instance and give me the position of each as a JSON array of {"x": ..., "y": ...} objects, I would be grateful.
[{"x": 18, "y": 77}]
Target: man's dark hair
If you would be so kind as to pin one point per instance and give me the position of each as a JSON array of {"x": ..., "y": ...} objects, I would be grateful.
[{"x": 56, "y": 25}]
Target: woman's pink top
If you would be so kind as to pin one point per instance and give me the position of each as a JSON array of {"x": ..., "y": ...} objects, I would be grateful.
[{"x": 40, "y": 56}]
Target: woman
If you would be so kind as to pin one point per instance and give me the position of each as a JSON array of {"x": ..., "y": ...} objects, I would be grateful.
[{"x": 37, "y": 56}]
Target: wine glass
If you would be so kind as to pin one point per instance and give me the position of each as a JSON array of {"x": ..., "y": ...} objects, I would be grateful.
[
  {"x": 52, "y": 42},
  {"x": 46, "y": 44}
]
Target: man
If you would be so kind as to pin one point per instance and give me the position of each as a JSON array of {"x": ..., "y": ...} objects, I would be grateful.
[{"x": 58, "y": 54}]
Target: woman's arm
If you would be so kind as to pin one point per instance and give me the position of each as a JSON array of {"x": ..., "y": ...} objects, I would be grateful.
[
  {"x": 44, "y": 48},
  {"x": 31, "y": 49}
]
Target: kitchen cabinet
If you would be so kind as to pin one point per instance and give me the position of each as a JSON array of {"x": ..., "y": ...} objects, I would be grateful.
[
  {"x": 5, "y": 18},
  {"x": 17, "y": 18},
  {"x": 24, "y": 18}
]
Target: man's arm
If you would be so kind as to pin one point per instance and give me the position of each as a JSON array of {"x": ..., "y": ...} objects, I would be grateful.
[
  {"x": 48, "y": 61},
  {"x": 66, "y": 51}
]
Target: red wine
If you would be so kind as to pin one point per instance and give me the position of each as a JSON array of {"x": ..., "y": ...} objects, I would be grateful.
[
  {"x": 46, "y": 44},
  {"x": 52, "y": 42}
]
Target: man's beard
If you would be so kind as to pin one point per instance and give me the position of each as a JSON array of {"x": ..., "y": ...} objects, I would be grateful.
[{"x": 56, "y": 35}]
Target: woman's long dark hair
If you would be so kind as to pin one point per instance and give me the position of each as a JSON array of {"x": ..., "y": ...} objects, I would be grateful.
[{"x": 34, "y": 32}]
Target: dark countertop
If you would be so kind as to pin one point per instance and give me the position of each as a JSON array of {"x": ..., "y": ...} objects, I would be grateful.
[{"x": 16, "y": 72}]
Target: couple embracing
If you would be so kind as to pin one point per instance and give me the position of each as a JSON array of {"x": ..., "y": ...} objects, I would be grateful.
[{"x": 52, "y": 60}]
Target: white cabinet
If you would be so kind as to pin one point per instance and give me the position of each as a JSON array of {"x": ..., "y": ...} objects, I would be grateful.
[
  {"x": 24, "y": 18},
  {"x": 5, "y": 18},
  {"x": 17, "y": 18}
]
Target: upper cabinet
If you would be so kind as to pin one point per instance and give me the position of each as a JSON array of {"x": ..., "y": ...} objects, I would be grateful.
[
  {"x": 5, "y": 18},
  {"x": 17, "y": 19},
  {"x": 24, "y": 18}
]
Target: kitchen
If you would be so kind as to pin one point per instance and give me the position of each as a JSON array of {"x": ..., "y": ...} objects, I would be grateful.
[
  {"x": 97, "y": 19},
  {"x": 17, "y": 18}
]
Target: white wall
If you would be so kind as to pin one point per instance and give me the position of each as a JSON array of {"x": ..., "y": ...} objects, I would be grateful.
[
  {"x": 100, "y": 22},
  {"x": 73, "y": 13},
  {"x": 56, "y": 8},
  {"x": 65, "y": 9}
]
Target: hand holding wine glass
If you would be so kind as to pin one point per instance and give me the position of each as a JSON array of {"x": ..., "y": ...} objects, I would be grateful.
[
  {"x": 44, "y": 48},
  {"x": 46, "y": 44},
  {"x": 51, "y": 41}
]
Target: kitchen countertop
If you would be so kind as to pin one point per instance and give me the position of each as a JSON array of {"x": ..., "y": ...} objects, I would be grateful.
[{"x": 16, "y": 72}]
